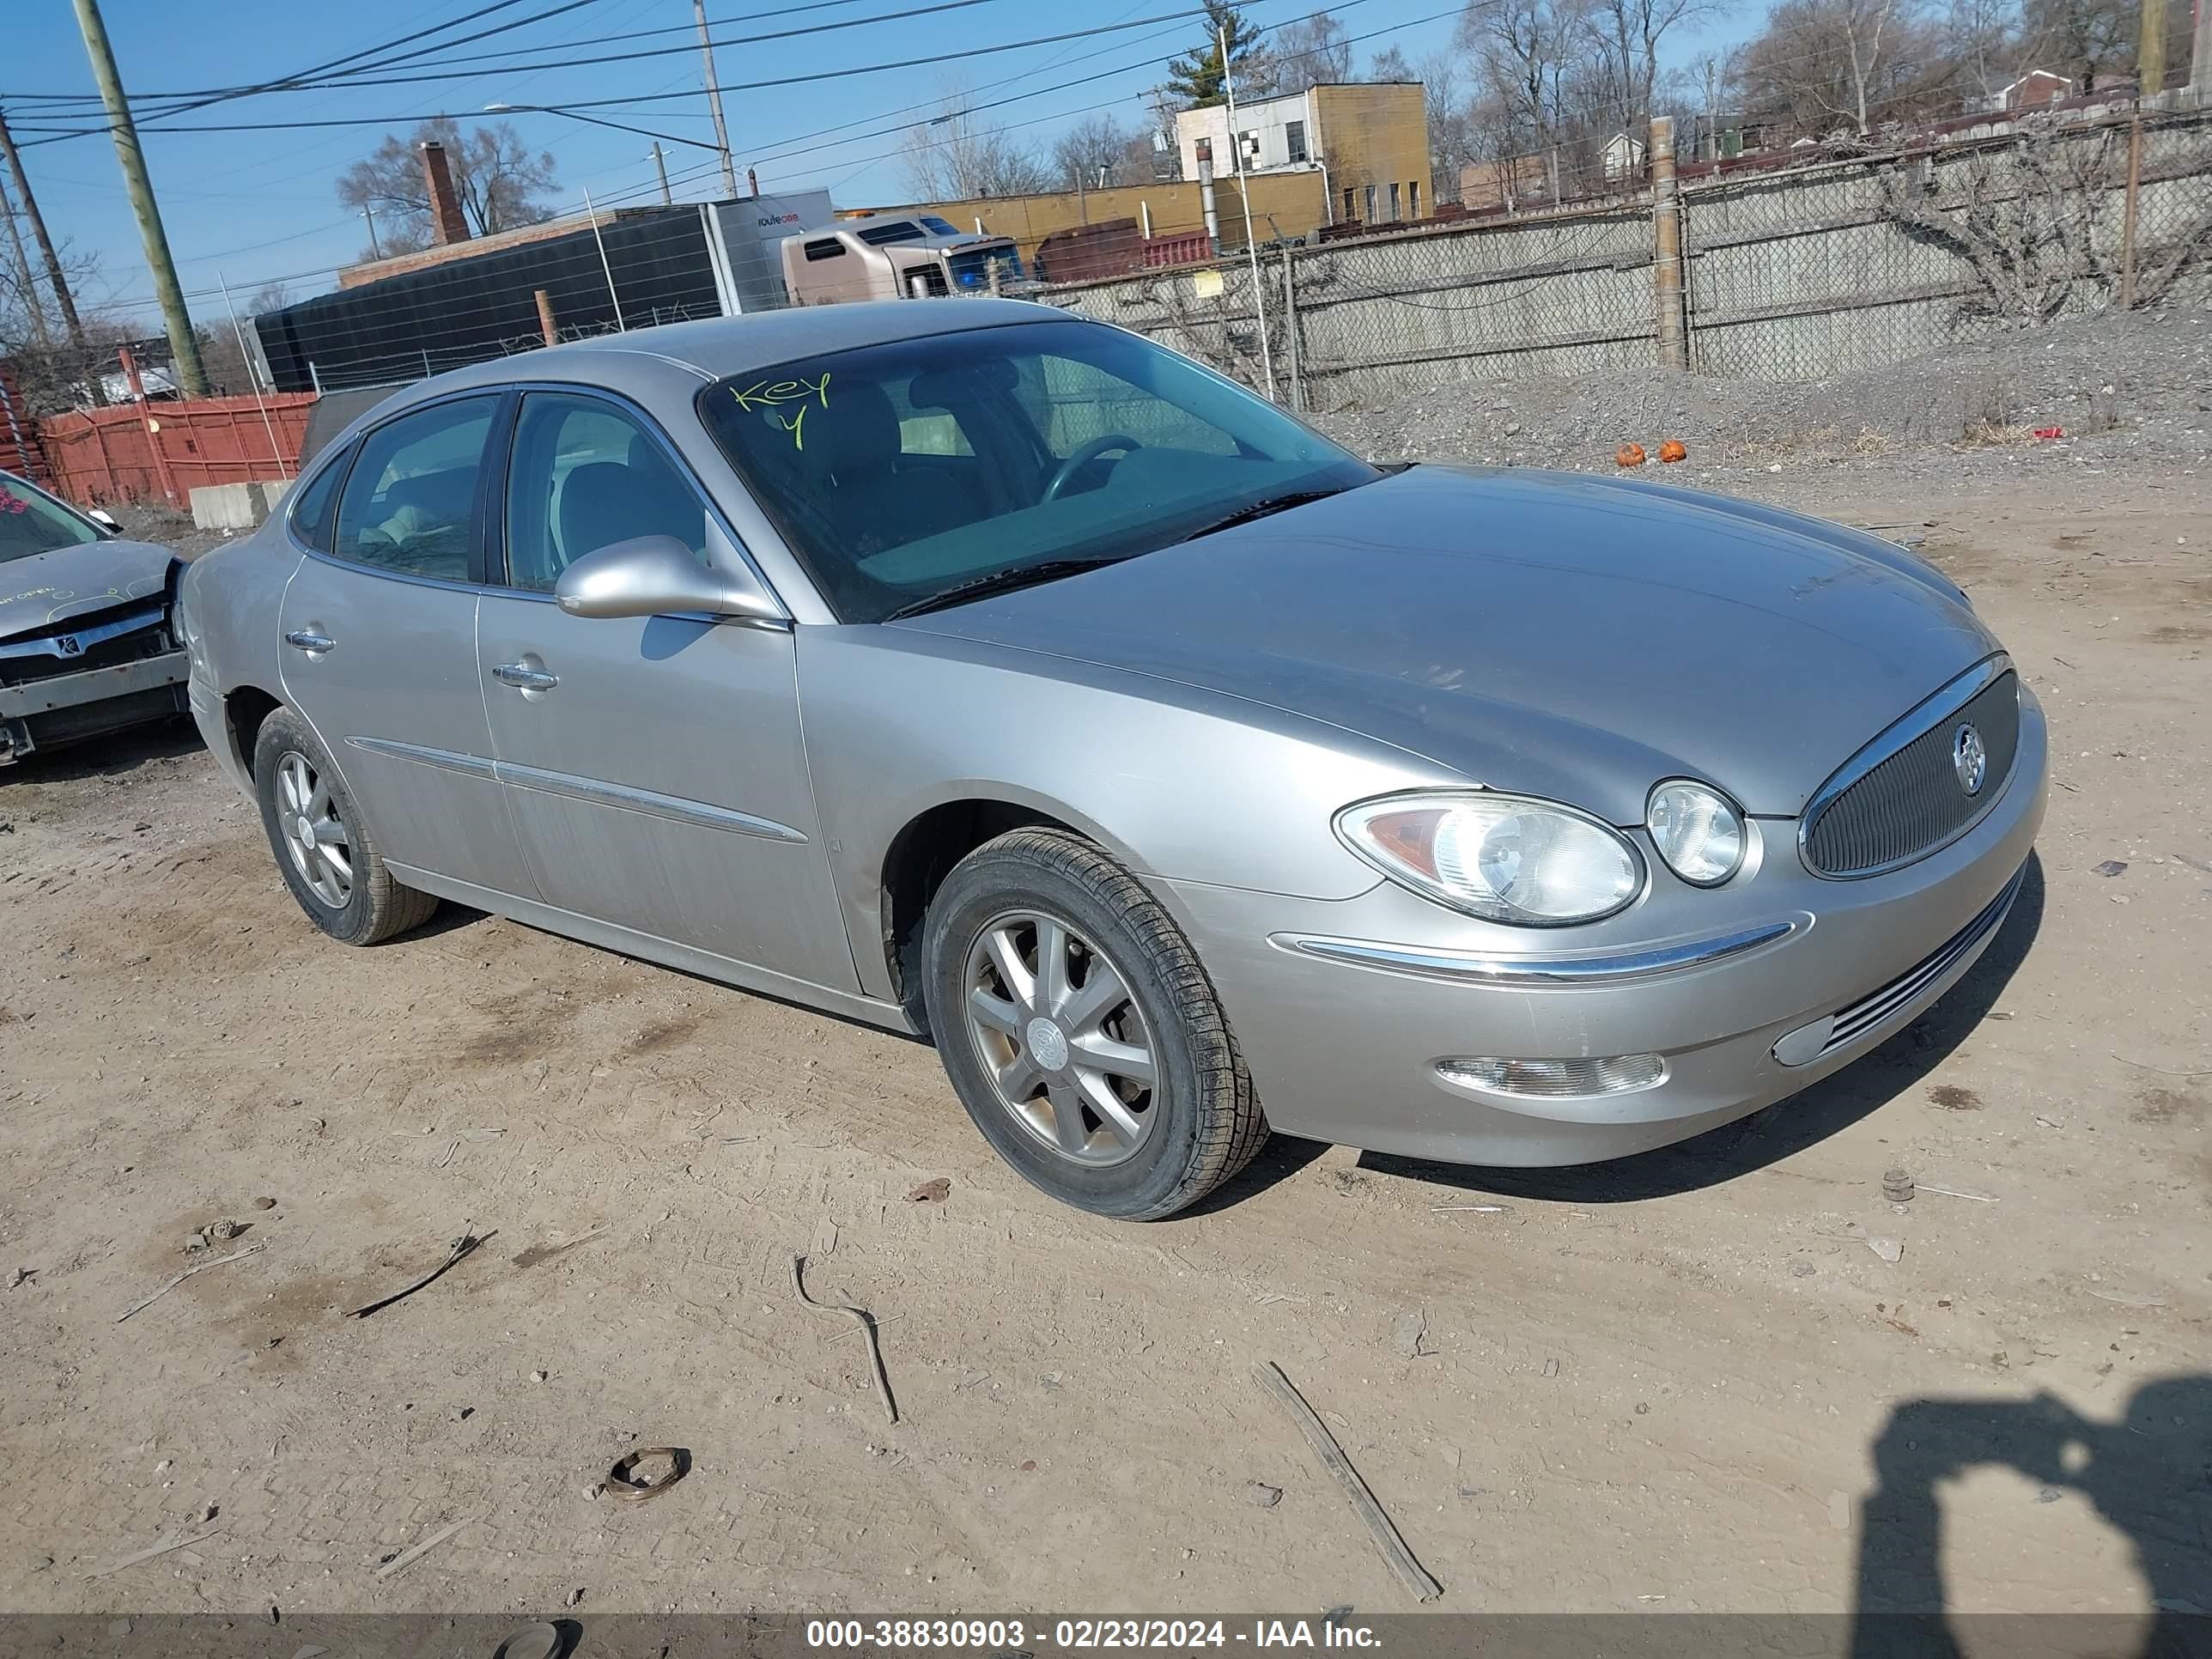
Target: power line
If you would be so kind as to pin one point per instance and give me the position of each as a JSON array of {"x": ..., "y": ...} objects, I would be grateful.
[{"x": 741, "y": 86}]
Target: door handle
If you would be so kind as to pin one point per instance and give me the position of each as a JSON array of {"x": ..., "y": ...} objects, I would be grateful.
[
  {"x": 307, "y": 640},
  {"x": 525, "y": 678}
]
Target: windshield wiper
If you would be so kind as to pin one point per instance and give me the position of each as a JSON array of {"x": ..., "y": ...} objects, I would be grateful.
[
  {"x": 1262, "y": 509},
  {"x": 1001, "y": 581}
]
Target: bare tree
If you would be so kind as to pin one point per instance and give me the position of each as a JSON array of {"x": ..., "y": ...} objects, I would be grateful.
[
  {"x": 1390, "y": 64},
  {"x": 1095, "y": 150},
  {"x": 501, "y": 182},
  {"x": 954, "y": 156},
  {"x": 2088, "y": 41},
  {"x": 1625, "y": 37},
  {"x": 269, "y": 296},
  {"x": 1825, "y": 63},
  {"x": 1451, "y": 121},
  {"x": 1312, "y": 52}
]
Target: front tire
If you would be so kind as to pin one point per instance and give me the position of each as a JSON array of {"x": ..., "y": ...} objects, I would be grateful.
[
  {"x": 323, "y": 850},
  {"x": 1081, "y": 1032}
]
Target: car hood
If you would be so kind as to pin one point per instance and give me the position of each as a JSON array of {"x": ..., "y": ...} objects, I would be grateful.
[
  {"x": 1558, "y": 634},
  {"x": 47, "y": 588}
]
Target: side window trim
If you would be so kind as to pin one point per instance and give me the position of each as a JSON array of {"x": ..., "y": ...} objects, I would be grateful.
[
  {"x": 487, "y": 558},
  {"x": 336, "y": 469},
  {"x": 497, "y": 570},
  {"x": 498, "y": 396}
]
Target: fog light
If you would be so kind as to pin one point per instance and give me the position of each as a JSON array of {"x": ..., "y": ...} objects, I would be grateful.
[{"x": 1557, "y": 1079}]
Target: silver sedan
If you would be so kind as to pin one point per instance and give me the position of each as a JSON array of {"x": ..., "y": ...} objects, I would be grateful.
[{"x": 983, "y": 673}]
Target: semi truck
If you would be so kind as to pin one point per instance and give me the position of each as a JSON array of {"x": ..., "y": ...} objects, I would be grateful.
[{"x": 895, "y": 256}]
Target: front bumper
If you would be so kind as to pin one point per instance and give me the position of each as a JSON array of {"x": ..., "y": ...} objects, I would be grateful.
[
  {"x": 67, "y": 707},
  {"x": 1344, "y": 1043}
]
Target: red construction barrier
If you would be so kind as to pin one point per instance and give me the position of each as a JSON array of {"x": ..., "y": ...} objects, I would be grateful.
[{"x": 103, "y": 455}]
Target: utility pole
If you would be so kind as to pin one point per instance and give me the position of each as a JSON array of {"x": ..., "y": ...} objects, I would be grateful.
[
  {"x": 369, "y": 214},
  {"x": 1251, "y": 242},
  {"x": 54, "y": 274},
  {"x": 2150, "y": 51},
  {"x": 714, "y": 100},
  {"x": 661, "y": 167},
  {"x": 184, "y": 345},
  {"x": 2200, "y": 58},
  {"x": 32, "y": 310}
]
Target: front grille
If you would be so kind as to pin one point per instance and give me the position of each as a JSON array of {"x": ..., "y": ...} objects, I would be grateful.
[
  {"x": 1911, "y": 802},
  {"x": 144, "y": 637},
  {"x": 1868, "y": 1012}
]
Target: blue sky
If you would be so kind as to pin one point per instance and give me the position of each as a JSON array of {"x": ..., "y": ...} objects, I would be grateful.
[{"x": 253, "y": 206}]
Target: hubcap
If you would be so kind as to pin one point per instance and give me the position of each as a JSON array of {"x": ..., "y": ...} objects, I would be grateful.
[
  {"x": 1066, "y": 1048},
  {"x": 314, "y": 834}
]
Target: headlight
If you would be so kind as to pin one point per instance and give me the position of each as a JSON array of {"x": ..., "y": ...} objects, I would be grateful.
[
  {"x": 1505, "y": 857},
  {"x": 1698, "y": 831}
]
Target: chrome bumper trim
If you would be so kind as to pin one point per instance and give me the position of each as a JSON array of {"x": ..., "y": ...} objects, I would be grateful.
[{"x": 1478, "y": 968}]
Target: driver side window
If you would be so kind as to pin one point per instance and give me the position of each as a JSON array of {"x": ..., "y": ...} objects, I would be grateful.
[
  {"x": 584, "y": 476},
  {"x": 409, "y": 504}
]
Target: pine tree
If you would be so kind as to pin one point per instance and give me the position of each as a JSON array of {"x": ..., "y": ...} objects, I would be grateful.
[{"x": 1198, "y": 79}]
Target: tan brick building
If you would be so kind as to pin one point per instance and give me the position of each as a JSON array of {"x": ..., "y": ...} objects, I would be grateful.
[{"x": 1368, "y": 140}]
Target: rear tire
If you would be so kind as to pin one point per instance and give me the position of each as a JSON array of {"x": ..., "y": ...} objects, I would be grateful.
[
  {"x": 324, "y": 850},
  {"x": 1080, "y": 1031}
]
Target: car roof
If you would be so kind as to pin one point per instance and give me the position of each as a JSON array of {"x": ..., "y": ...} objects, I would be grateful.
[{"x": 717, "y": 346}]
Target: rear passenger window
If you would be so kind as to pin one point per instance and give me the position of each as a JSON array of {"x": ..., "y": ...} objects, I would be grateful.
[
  {"x": 586, "y": 476},
  {"x": 410, "y": 505},
  {"x": 310, "y": 509}
]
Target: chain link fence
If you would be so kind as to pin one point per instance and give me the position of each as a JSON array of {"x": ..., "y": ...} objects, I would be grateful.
[{"x": 1797, "y": 273}]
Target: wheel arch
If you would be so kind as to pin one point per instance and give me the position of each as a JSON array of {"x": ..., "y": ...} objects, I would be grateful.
[
  {"x": 244, "y": 709},
  {"x": 934, "y": 838}
]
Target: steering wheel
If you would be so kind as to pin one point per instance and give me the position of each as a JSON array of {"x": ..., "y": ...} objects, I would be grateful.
[{"x": 1084, "y": 454}]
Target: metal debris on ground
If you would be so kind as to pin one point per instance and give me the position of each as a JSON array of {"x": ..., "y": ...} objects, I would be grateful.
[
  {"x": 647, "y": 1473},
  {"x": 461, "y": 1246},
  {"x": 408, "y": 1557},
  {"x": 1888, "y": 1249},
  {"x": 539, "y": 1641},
  {"x": 2144, "y": 1065},
  {"x": 1897, "y": 1186},
  {"x": 866, "y": 1322},
  {"x": 2109, "y": 867},
  {"x": 1956, "y": 1192},
  {"x": 1283, "y": 1393},
  {"x": 236, "y": 1255},
  {"x": 20, "y": 1276},
  {"x": 930, "y": 1192},
  {"x": 1476, "y": 1209},
  {"x": 2129, "y": 1298},
  {"x": 149, "y": 1554}
]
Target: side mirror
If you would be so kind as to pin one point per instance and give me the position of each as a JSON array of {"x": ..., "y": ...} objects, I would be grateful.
[
  {"x": 651, "y": 575},
  {"x": 104, "y": 519}
]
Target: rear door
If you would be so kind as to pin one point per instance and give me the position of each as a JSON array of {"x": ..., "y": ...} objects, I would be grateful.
[
  {"x": 653, "y": 764},
  {"x": 379, "y": 646}
]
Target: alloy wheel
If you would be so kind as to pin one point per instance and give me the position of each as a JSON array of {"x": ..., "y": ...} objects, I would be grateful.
[
  {"x": 1066, "y": 1046},
  {"x": 314, "y": 833}
]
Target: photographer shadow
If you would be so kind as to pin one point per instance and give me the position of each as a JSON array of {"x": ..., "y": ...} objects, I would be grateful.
[{"x": 2150, "y": 1475}]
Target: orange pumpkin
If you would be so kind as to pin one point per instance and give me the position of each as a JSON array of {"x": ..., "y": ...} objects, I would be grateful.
[
  {"x": 1672, "y": 450},
  {"x": 1629, "y": 455}
]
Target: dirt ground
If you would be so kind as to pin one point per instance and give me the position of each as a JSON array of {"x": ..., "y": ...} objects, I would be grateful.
[{"x": 1688, "y": 1382}]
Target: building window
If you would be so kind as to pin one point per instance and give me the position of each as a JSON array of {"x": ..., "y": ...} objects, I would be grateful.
[
  {"x": 1350, "y": 211},
  {"x": 1371, "y": 205},
  {"x": 1413, "y": 200},
  {"x": 1294, "y": 135},
  {"x": 1395, "y": 215},
  {"x": 1248, "y": 147}
]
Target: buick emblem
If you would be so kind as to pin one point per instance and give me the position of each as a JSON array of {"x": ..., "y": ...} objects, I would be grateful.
[
  {"x": 68, "y": 644},
  {"x": 1970, "y": 759}
]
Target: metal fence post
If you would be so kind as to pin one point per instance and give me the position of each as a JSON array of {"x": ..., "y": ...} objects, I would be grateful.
[
  {"x": 1667, "y": 245},
  {"x": 2128, "y": 212},
  {"x": 1290, "y": 332}
]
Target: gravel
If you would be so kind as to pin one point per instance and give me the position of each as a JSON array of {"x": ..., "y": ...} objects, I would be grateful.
[{"x": 2126, "y": 390}]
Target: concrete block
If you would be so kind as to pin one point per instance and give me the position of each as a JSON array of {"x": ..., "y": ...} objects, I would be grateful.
[{"x": 236, "y": 506}]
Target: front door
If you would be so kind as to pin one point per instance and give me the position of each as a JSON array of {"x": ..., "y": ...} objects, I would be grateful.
[
  {"x": 653, "y": 765},
  {"x": 379, "y": 647}
]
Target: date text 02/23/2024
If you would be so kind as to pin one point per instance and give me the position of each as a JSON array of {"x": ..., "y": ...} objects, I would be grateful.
[{"x": 1004, "y": 1637}]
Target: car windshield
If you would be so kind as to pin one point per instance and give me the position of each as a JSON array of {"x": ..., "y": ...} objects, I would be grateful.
[
  {"x": 33, "y": 522},
  {"x": 900, "y": 472}
]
